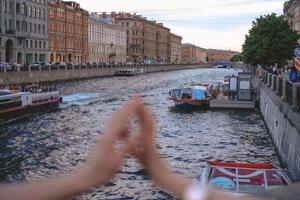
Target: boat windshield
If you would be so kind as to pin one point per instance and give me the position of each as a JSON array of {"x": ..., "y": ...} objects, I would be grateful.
[{"x": 245, "y": 180}]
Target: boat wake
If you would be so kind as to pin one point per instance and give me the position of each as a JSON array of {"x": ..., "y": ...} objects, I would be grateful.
[{"x": 78, "y": 99}]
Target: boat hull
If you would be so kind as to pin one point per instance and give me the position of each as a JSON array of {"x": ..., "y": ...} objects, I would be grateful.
[
  {"x": 22, "y": 112},
  {"x": 186, "y": 104}
]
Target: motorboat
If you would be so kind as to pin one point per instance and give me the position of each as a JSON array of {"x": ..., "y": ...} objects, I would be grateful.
[
  {"x": 192, "y": 96},
  {"x": 15, "y": 104},
  {"x": 243, "y": 178}
]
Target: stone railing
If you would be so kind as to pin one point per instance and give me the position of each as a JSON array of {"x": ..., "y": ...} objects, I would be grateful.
[
  {"x": 30, "y": 68},
  {"x": 288, "y": 91}
]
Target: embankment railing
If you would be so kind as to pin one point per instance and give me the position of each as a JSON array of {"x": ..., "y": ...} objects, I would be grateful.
[{"x": 288, "y": 91}]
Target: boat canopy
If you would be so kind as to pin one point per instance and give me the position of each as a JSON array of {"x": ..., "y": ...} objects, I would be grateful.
[{"x": 199, "y": 92}]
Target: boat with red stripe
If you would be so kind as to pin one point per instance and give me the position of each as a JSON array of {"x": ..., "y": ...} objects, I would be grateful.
[
  {"x": 244, "y": 178},
  {"x": 15, "y": 105}
]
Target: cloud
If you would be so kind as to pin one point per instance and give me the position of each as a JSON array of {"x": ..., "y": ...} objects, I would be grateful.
[{"x": 207, "y": 23}]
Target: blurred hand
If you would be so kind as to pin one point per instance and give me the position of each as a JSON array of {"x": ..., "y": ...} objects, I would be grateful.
[
  {"x": 144, "y": 145},
  {"x": 106, "y": 159}
]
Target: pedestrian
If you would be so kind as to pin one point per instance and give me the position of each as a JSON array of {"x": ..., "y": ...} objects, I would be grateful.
[
  {"x": 259, "y": 72},
  {"x": 293, "y": 75},
  {"x": 275, "y": 69},
  {"x": 286, "y": 73}
]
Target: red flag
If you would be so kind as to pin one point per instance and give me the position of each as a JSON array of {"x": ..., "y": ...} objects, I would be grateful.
[{"x": 297, "y": 63}]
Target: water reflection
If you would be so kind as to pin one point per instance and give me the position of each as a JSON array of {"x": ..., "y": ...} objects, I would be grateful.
[{"x": 58, "y": 142}]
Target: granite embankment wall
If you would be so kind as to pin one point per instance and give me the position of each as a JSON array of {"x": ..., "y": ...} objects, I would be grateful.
[
  {"x": 7, "y": 78},
  {"x": 279, "y": 106}
]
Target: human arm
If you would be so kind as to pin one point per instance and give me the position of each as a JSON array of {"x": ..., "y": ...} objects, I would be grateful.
[
  {"x": 144, "y": 148},
  {"x": 103, "y": 162}
]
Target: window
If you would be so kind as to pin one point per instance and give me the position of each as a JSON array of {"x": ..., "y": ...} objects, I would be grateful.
[
  {"x": 44, "y": 45},
  {"x": 39, "y": 13},
  {"x": 35, "y": 44},
  {"x": 22, "y": 9},
  {"x": 34, "y": 12},
  {"x": 39, "y": 28},
  {"x": 42, "y": 14},
  {"x": 43, "y": 29},
  {"x": 40, "y": 44},
  {"x": 26, "y": 43},
  {"x": 30, "y": 27},
  {"x": 29, "y": 11},
  {"x": 18, "y": 25},
  {"x": 18, "y": 8},
  {"x": 34, "y": 28},
  {"x": 31, "y": 44},
  {"x": 5, "y": 6},
  {"x": 10, "y": 8}
]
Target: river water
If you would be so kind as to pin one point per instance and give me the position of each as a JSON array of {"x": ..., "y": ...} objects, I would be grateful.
[{"x": 55, "y": 143}]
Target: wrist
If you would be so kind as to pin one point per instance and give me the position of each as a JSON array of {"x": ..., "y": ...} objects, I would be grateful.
[
  {"x": 196, "y": 191},
  {"x": 88, "y": 178}
]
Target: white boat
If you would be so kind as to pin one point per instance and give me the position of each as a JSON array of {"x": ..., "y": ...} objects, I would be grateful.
[
  {"x": 243, "y": 178},
  {"x": 14, "y": 104},
  {"x": 128, "y": 72}
]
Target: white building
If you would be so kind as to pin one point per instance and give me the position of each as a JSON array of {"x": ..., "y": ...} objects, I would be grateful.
[
  {"x": 107, "y": 41},
  {"x": 23, "y": 31}
]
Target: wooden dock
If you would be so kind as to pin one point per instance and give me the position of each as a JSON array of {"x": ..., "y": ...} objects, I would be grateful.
[{"x": 226, "y": 103}]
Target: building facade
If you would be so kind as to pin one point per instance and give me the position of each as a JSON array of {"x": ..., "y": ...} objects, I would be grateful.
[
  {"x": 175, "y": 48},
  {"x": 107, "y": 41},
  {"x": 147, "y": 41},
  {"x": 215, "y": 55},
  {"x": 291, "y": 12},
  {"x": 23, "y": 31},
  {"x": 192, "y": 54},
  {"x": 67, "y": 32}
]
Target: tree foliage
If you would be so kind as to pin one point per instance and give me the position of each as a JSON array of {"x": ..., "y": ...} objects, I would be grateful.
[
  {"x": 236, "y": 58},
  {"x": 270, "y": 40}
]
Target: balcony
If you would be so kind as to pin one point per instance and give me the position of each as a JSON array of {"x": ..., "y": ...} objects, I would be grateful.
[
  {"x": 22, "y": 34},
  {"x": 9, "y": 32}
]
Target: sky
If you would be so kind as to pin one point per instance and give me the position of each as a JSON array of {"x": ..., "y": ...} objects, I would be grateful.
[{"x": 218, "y": 24}]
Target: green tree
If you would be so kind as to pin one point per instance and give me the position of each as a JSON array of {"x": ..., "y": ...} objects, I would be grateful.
[
  {"x": 270, "y": 40},
  {"x": 236, "y": 58}
]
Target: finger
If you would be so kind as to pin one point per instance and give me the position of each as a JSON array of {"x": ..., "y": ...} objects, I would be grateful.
[
  {"x": 146, "y": 121},
  {"x": 119, "y": 122},
  {"x": 122, "y": 153}
]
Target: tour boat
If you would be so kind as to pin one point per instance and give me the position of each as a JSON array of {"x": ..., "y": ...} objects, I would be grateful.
[
  {"x": 195, "y": 96},
  {"x": 243, "y": 178},
  {"x": 128, "y": 72},
  {"x": 15, "y": 104}
]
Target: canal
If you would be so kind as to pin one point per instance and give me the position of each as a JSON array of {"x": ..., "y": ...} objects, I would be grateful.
[{"x": 58, "y": 142}]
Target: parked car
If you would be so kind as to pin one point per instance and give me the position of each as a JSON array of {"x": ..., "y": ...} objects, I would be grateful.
[
  {"x": 5, "y": 66},
  {"x": 36, "y": 66},
  {"x": 94, "y": 64},
  {"x": 61, "y": 65},
  {"x": 70, "y": 65}
]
